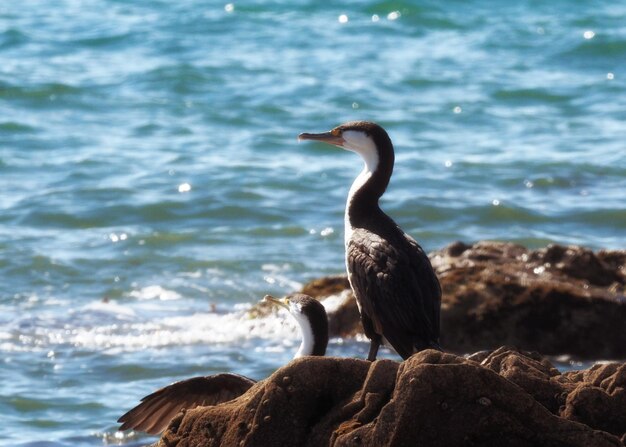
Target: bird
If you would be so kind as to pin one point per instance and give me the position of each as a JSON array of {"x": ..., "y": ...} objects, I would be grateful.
[
  {"x": 396, "y": 289},
  {"x": 156, "y": 410}
]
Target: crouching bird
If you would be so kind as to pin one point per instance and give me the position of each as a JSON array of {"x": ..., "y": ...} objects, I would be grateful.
[{"x": 156, "y": 410}]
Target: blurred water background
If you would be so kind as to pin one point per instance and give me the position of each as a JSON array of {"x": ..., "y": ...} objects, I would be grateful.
[{"x": 151, "y": 185}]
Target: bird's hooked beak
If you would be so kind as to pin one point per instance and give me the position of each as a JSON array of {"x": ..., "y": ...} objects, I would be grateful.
[
  {"x": 331, "y": 137},
  {"x": 283, "y": 303}
]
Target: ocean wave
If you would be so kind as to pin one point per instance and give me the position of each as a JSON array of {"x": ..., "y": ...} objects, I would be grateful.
[
  {"x": 16, "y": 128},
  {"x": 598, "y": 47},
  {"x": 38, "y": 91},
  {"x": 110, "y": 325},
  {"x": 529, "y": 95}
]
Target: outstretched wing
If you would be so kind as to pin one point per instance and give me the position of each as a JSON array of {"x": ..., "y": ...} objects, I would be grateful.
[
  {"x": 156, "y": 410},
  {"x": 396, "y": 288}
]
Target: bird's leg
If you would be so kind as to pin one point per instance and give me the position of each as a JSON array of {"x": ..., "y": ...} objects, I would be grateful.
[
  {"x": 374, "y": 345},
  {"x": 375, "y": 338}
]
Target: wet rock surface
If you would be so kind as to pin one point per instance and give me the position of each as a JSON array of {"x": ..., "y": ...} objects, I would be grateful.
[
  {"x": 555, "y": 300},
  {"x": 504, "y": 397}
]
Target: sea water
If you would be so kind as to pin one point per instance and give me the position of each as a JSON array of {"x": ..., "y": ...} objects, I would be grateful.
[{"x": 152, "y": 189}]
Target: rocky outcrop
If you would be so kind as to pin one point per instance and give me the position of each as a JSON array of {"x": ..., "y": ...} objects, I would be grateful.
[
  {"x": 500, "y": 398},
  {"x": 556, "y": 300}
]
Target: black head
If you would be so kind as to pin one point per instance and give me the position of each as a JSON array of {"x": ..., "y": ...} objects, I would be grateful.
[
  {"x": 373, "y": 144},
  {"x": 357, "y": 136}
]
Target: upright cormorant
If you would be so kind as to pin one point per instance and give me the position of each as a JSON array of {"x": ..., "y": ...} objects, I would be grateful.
[
  {"x": 396, "y": 289},
  {"x": 156, "y": 410}
]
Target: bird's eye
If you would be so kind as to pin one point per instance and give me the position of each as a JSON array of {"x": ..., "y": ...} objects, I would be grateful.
[{"x": 336, "y": 132}]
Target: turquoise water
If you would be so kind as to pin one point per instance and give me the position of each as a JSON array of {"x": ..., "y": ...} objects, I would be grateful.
[{"x": 151, "y": 185}]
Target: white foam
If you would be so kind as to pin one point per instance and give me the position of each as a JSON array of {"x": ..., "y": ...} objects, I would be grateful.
[
  {"x": 200, "y": 328},
  {"x": 155, "y": 292},
  {"x": 110, "y": 307},
  {"x": 136, "y": 325}
]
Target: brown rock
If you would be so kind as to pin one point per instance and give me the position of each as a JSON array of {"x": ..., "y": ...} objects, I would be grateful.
[
  {"x": 432, "y": 399},
  {"x": 599, "y": 398},
  {"x": 556, "y": 300},
  {"x": 329, "y": 285},
  {"x": 533, "y": 373}
]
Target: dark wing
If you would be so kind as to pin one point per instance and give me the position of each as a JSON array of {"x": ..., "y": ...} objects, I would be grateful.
[
  {"x": 397, "y": 289},
  {"x": 429, "y": 285},
  {"x": 156, "y": 410}
]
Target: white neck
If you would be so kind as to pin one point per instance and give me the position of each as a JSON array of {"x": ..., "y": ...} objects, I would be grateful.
[
  {"x": 361, "y": 180},
  {"x": 308, "y": 340},
  {"x": 364, "y": 146}
]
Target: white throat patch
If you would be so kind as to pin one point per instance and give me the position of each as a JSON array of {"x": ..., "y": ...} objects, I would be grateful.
[{"x": 363, "y": 145}]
